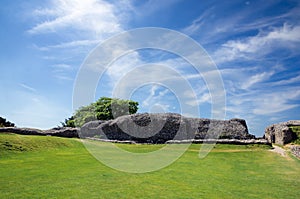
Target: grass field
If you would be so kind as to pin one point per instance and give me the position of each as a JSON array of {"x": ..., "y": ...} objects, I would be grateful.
[{"x": 49, "y": 167}]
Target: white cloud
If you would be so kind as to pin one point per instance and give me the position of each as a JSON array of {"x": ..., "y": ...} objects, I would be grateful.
[
  {"x": 63, "y": 77},
  {"x": 263, "y": 107},
  {"x": 276, "y": 102},
  {"x": 73, "y": 44},
  {"x": 287, "y": 81},
  {"x": 263, "y": 102},
  {"x": 77, "y": 27},
  {"x": 29, "y": 88},
  {"x": 284, "y": 34},
  {"x": 79, "y": 23},
  {"x": 204, "y": 98},
  {"x": 62, "y": 66},
  {"x": 250, "y": 93},
  {"x": 61, "y": 71},
  {"x": 153, "y": 89},
  {"x": 92, "y": 16},
  {"x": 259, "y": 45},
  {"x": 83, "y": 24},
  {"x": 123, "y": 65},
  {"x": 158, "y": 99},
  {"x": 198, "y": 22},
  {"x": 214, "y": 24},
  {"x": 257, "y": 78}
]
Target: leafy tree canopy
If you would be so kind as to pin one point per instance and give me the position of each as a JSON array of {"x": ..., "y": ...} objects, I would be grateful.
[
  {"x": 5, "y": 123},
  {"x": 104, "y": 108}
]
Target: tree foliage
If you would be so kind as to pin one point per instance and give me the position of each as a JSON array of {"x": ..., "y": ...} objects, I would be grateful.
[
  {"x": 5, "y": 123},
  {"x": 69, "y": 122},
  {"x": 104, "y": 108}
]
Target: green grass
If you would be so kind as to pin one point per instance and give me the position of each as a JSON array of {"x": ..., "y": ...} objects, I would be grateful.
[
  {"x": 12, "y": 143},
  {"x": 50, "y": 167}
]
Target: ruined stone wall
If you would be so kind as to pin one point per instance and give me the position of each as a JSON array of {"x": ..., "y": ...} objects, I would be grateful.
[
  {"x": 159, "y": 128},
  {"x": 60, "y": 131},
  {"x": 150, "y": 128},
  {"x": 295, "y": 150},
  {"x": 281, "y": 133}
]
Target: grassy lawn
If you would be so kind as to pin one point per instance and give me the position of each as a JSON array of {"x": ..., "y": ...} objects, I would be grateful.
[{"x": 50, "y": 167}]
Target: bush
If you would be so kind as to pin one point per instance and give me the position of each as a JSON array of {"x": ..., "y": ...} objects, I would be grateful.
[
  {"x": 4, "y": 123},
  {"x": 69, "y": 122},
  {"x": 104, "y": 108},
  {"x": 296, "y": 131}
]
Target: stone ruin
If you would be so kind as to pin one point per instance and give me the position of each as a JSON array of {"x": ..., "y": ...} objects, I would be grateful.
[
  {"x": 163, "y": 127},
  {"x": 281, "y": 133},
  {"x": 153, "y": 128},
  {"x": 58, "y": 131},
  {"x": 295, "y": 150}
]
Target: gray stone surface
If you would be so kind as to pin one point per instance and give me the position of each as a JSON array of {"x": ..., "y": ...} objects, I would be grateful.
[
  {"x": 150, "y": 128},
  {"x": 22, "y": 131},
  {"x": 90, "y": 129},
  {"x": 295, "y": 150},
  {"x": 159, "y": 128},
  {"x": 60, "y": 131},
  {"x": 63, "y": 132},
  {"x": 221, "y": 141},
  {"x": 280, "y": 133}
]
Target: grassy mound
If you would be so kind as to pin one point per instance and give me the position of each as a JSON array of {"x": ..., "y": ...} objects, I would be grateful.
[
  {"x": 22, "y": 143},
  {"x": 53, "y": 167}
]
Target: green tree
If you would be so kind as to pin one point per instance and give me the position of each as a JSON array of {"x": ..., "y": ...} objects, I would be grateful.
[
  {"x": 69, "y": 122},
  {"x": 104, "y": 108},
  {"x": 5, "y": 123}
]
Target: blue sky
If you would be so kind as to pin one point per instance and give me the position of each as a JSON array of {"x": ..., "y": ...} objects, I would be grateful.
[{"x": 255, "y": 45}]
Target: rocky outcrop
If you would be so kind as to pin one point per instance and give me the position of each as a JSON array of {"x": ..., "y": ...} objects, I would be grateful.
[
  {"x": 160, "y": 128},
  {"x": 60, "y": 131},
  {"x": 281, "y": 133}
]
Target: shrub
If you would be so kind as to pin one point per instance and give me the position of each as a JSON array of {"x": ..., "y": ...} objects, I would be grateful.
[
  {"x": 296, "y": 131},
  {"x": 104, "y": 108},
  {"x": 5, "y": 123}
]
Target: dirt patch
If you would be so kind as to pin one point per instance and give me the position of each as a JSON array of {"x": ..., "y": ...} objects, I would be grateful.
[{"x": 279, "y": 150}]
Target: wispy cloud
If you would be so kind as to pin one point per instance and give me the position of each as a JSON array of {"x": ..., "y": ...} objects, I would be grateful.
[
  {"x": 257, "y": 78},
  {"x": 29, "y": 88},
  {"x": 80, "y": 25},
  {"x": 276, "y": 102},
  {"x": 292, "y": 80},
  {"x": 158, "y": 99},
  {"x": 221, "y": 22},
  {"x": 197, "y": 23},
  {"x": 90, "y": 16},
  {"x": 63, "y": 77},
  {"x": 239, "y": 38},
  {"x": 62, "y": 66},
  {"x": 72, "y": 44},
  {"x": 286, "y": 37},
  {"x": 62, "y": 72}
]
